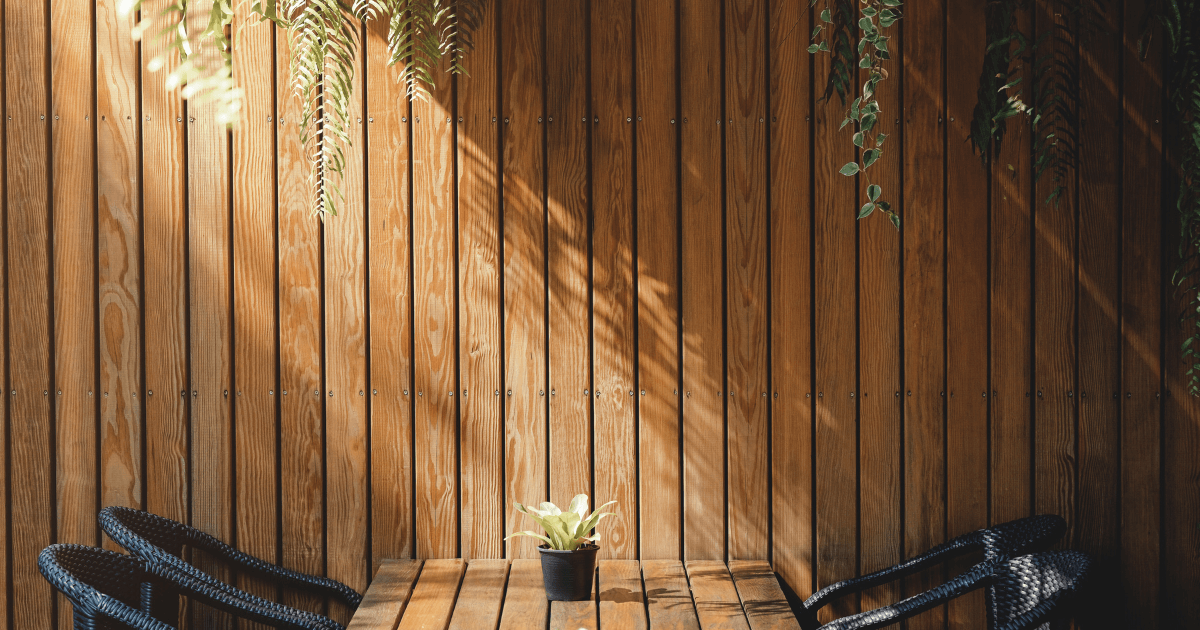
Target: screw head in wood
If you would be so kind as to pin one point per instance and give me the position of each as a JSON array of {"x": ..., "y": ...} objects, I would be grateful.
[
  {"x": 420, "y": 393},
  {"x": 628, "y": 119},
  {"x": 643, "y": 392},
  {"x": 47, "y": 393},
  {"x": 510, "y": 392},
  {"x": 270, "y": 392},
  {"x": 60, "y": 393},
  {"x": 506, "y": 121},
  {"x": 586, "y": 392},
  {"x": 316, "y": 393},
  {"x": 406, "y": 392},
  {"x": 541, "y": 393},
  {"x": 497, "y": 392},
  {"x": 285, "y": 392},
  {"x": 56, "y": 117},
  {"x": 360, "y": 392},
  {"x": 371, "y": 119},
  {"x": 451, "y": 394},
  {"x": 448, "y": 119},
  {"x": 374, "y": 392},
  {"x": 331, "y": 393},
  {"x": 148, "y": 393},
  {"x": 672, "y": 121}
]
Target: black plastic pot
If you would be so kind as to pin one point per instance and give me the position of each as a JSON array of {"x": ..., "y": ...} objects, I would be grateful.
[{"x": 568, "y": 574}]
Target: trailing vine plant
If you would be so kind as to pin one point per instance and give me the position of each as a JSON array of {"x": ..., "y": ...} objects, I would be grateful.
[
  {"x": 1180, "y": 21},
  {"x": 836, "y": 20},
  {"x": 324, "y": 37}
]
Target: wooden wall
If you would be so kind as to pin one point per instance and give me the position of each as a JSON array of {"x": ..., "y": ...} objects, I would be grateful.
[{"x": 618, "y": 259}]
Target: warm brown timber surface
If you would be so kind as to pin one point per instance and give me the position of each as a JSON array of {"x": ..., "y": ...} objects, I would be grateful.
[{"x": 624, "y": 196}]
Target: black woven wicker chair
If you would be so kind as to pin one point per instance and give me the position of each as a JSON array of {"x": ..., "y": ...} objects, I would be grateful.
[
  {"x": 159, "y": 542},
  {"x": 1029, "y": 592},
  {"x": 105, "y": 588}
]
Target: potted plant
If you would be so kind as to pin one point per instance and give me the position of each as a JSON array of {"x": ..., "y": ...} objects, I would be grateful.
[{"x": 568, "y": 553}]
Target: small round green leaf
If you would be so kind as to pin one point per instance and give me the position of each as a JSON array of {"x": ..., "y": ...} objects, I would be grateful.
[
  {"x": 851, "y": 168},
  {"x": 873, "y": 192},
  {"x": 866, "y": 210}
]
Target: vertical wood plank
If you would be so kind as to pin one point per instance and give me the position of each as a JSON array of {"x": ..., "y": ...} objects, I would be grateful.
[
  {"x": 1055, "y": 256},
  {"x": 209, "y": 279},
  {"x": 346, "y": 368},
  {"x": 5, "y": 474},
  {"x": 391, "y": 291},
  {"x": 524, "y": 271},
  {"x": 29, "y": 310},
  {"x": 481, "y": 433},
  {"x": 791, "y": 296},
  {"x": 835, "y": 329},
  {"x": 703, "y": 300},
  {"x": 254, "y": 323},
  {"x": 165, "y": 301},
  {"x": 1012, "y": 318},
  {"x": 613, "y": 323},
  {"x": 1099, "y": 332},
  {"x": 924, "y": 265},
  {"x": 567, "y": 249},
  {"x": 118, "y": 189},
  {"x": 435, "y": 317},
  {"x": 657, "y": 233},
  {"x": 301, "y": 348},
  {"x": 747, "y": 245},
  {"x": 881, "y": 371},
  {"x": 967, "y": 303},
  {"x": 1141, "y": 326},
  {"x": 74, "y": 163}
]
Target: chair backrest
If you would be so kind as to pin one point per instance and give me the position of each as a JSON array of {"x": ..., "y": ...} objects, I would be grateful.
[
  {"x": 1030, "y": 589},
  {"x": 105, "y": 588}
]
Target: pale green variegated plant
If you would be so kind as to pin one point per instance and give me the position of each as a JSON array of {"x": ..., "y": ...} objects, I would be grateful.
[
  {"x": 565, "y": 531},
  {"x": 324, "y": 37}
]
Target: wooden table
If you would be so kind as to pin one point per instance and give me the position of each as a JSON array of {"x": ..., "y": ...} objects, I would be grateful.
[{"x": 652, "y": 594}]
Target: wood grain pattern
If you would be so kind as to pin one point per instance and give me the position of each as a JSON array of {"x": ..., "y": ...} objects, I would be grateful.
[
  {"x": 254, "y": 283},
  {"x": 1012, "y": 320},
  {"x": 74, "y": 216},
  {"x": 164, "y": 221},
  {"x": 567, "y": 248},
  {"x": 791, "y": 296},
  {"x": 668, "y": 596},
  {"x": 717, "y": 604},
  {"x": 622, "y": 601},
  {"x": 211, "y": 341},
  {"x": 346, "y": 370},
  {"x": 576, "y": 615},
  {"x": 432, "y": 600},
  {"x": 967, "y": 305},
  {"x": 390, "y": 251},
  {"x": 30, "y": 318},
  {"x": 389, "y": 594},
  {"x": 6, "y": 514},
  {"x": 1098, "y": 324},
  {"x": 435, "y": 316},
  {"x": 480, "y": 336},
  {"x": 703, "y": 297},
  {"x": 613, "y": 296},
  {"x": 747, "y": 245},
  {"x": 1055, "y": 256},
  {"x": 523, "y": 223},
  {"x": 481, "y": 596},
  {"x": 881, "y": 370},
  {"x": 924, "y": 265},
  {"x": 118, "y": 190},
  {"x": 834, "y": 334},
  {"x": 301, "y": 349},
  {"x": 657, "y": 233},
  {"x": 1141, "y": 316},
  {"x": 762, "y": 599},
  {"x": 525, "y": 604}
]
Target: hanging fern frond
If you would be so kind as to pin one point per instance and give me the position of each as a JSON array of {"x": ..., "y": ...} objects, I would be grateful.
[
  {"x": 837, "y": 23},
  {"x": 999, "y": 94},
  {"x": 1181, "y": 29},
  {"x": 325, "y": 42}
]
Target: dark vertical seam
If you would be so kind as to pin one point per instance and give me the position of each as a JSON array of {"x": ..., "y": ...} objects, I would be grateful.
[
  {"x": 7, "y": 318},
  {"x": 369, "y": 391},
  {"x": 277, "y": 381},
  {"x": 858, "y": 368},
  {"x": 902, "y": 529},
  {"x": 767, "y": 228},
  {"x": 678, "y": 168},
  {"x": 724, "y": 392},
  {"x": 412, "y": 330},
  {"x": 460, "y": 391},
  {"x": 545, "y": 201},
  {"x": 91, "y": 117},
  {"x": 1164, "y": 281},
  {"x": 637, "y": 363},
  {"x": 143, "y": 377},
  {"x": 812, "y": 312},
  {"x": 1119, "y": 408},
  {"x": 943, "y": 124},
  {"x": 988, "y": 396},
  {"x": 1073, "y": 535},
  {"x": 322, "y": 401},
  {"x": 589, "y": 139},
  {"x": 498, "y": 137},
  {"x": 231, "y": 292},
  {"x": 52, "y": 363},
  {"x": 1031, "y": 203}
]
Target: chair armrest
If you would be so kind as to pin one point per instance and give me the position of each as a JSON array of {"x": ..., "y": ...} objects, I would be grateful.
[
  {"x": 937, "y": 555},
  {"x": 974, "y": 578}
]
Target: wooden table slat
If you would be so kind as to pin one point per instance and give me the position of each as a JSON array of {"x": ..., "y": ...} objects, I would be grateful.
[
  {"x": 433, "y": 599},
  {"x": 387, "y": 597},
  {"x": 481, "y": 596},
  {"x": 717, "y": 604},
  {"x": 622, "y": 601},
  {"x": 579, "y": 615},
  {"x": 668, "y": 596},
  {"x": 525, "y": 605},
  {"x": 762, "y": 599}
]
